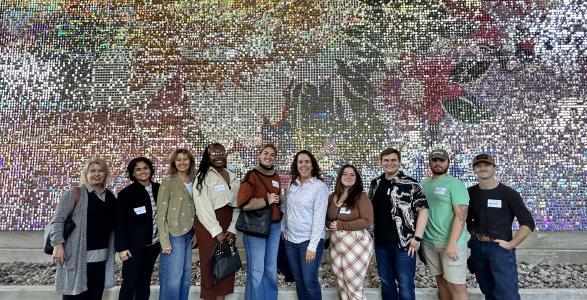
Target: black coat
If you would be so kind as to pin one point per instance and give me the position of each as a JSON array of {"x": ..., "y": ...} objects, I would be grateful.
[{"x": 133, "y": 227}]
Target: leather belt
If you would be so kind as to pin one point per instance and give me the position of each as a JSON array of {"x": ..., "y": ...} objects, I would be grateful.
[{"x": 484, "y": 238}]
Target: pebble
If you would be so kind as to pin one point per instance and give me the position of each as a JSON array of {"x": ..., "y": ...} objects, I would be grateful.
[{"x": 530, "y": 276}]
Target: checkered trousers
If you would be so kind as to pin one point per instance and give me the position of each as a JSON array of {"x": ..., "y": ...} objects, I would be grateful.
[{"x": 350, "y": 252}]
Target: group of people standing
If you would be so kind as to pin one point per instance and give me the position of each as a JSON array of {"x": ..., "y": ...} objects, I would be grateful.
[{"x": 200, "y": 207}]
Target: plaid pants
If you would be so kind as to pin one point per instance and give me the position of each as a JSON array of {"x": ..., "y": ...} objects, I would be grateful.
[{"x": 350, "y": 252}]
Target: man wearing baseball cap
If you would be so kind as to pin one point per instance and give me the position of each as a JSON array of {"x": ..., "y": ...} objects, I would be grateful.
[
  {"x": 445, "y": 237},
  {"x": 493, "y": 207}
]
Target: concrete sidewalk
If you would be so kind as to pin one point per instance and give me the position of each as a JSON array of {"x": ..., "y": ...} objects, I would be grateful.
[{"x": 47, "y": 293}]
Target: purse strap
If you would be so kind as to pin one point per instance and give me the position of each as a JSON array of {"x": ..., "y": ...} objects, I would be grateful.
[
  {"x": 262, "y": 181},
  {"x": 77, "y": 194}
]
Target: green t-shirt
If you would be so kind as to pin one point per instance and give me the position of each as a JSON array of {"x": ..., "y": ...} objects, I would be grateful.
[{"x": 442, "y": 194}]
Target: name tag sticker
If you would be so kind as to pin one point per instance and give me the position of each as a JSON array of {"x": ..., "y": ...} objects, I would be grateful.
[
  {"x": 140, "y": 210},
  {"x": 345, "y": 210},
  {"x": 275, "y": 183},
  {"x": 219, "y": 187},
  {"x": 440, "y": 190},
  {"x": 494, "y": 203}
]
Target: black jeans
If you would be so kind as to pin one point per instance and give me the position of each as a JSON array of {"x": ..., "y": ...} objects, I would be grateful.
[
  {"x": 96, "y": 275},
  {"x": 137, "y": 271}
]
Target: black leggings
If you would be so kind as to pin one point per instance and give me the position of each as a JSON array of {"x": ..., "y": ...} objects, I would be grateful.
[{"x": 96, "y": 275}]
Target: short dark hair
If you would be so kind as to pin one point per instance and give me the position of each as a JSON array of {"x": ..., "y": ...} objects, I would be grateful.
[
  {"x": 316, "y": 172},
  {"x": 389, "y": 151},
  {"x": 133, "y": 163}
]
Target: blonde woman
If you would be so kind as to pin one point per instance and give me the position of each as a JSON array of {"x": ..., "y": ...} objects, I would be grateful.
[
  {"x": 85, "y": 262},
  {"x": 175, "y": 223}
]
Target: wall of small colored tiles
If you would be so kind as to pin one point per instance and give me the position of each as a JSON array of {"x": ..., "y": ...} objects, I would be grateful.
[{"x": 344, "y": 79}]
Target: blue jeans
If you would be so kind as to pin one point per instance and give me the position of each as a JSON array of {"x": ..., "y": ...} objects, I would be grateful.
[
  {"x": 495, "y": 269},
  {"x": 394, "y": 264},
  {"x": 175, "y": 269},
  {"x": 261, "y": 281},
  {"x": 305, "y": 274}
]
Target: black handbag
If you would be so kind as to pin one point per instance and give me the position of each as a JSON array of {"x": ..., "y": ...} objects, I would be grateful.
[
  {"x": 225, "y": 261},
  {"x": 68, "y": 226},
  {"x": 256, "y": 222}
]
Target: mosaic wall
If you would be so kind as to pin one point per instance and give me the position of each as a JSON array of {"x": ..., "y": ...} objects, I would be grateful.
[{"x": 345, "y": 79}]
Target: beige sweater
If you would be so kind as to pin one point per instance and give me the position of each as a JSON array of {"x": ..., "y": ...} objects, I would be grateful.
[{"x": 215, "y": 194}]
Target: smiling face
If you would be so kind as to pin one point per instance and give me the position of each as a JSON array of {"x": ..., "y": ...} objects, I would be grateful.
[
  {"x": 390, "y": 163},
  {"x": 349, "y": 177},
  {"x": 142, "y": 172},
  {"x": 267, "y": 157},
  {"x": 304, "y": 165},
  {"x": 182, "y": 163},
  {"x": 438, "y": 166},
  {"x": 96, "y": 175},
  {"x": 218, "y": 157},
  {"x": 484, "y": 170}
]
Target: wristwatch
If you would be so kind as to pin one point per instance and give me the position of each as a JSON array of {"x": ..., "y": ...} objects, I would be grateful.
[{"x": 417, "y": 238}]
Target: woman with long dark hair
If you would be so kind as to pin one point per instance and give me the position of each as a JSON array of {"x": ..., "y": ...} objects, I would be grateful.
[
  {"x": 349, "y": 215},
  {"x": 304, "y": 210},
  {"x": 215, "y": 190},
  {"x": 137, "y": 237},
  {"x": 261, "y": 188},
  {"x": 85, "y": 261},
  {"x": 175, "y": 222}
]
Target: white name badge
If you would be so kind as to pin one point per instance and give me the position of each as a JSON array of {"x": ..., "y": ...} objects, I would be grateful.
[
  {"x": 275, "y": 183},
  {"x": 219, "y": 187},
  {"x": 494, "y": 203},
  {"x": 345, "y": 210},
  {"x": 140, "y": 210},
  {"x": 440, "y": 190}
]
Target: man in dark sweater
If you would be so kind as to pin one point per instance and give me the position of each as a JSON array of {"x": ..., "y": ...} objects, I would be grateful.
[{"x": 492, "y": 209}]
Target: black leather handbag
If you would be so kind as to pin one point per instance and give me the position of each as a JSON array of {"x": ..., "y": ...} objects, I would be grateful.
[
  {"x": 225, "y": 261},
  {"x": 68, "y": 226},
  {"x": 256, "y": 222}
]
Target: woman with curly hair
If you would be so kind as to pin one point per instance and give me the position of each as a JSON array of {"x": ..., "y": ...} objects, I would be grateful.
[
  {"x": 215, "y": 191},
  {"x": 175, "y": 222}
]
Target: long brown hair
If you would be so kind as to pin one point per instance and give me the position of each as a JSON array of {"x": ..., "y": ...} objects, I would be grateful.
[{"x": 354, "y": 192}]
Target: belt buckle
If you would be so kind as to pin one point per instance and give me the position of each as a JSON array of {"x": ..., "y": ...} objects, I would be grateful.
[{"x": 484, "y": 238}]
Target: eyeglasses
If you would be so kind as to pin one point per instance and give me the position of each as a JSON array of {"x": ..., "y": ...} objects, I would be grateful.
[{"x": 222, "y": 154}]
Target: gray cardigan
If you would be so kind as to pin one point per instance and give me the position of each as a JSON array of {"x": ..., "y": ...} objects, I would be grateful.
[{"x": 71, "y": 276}]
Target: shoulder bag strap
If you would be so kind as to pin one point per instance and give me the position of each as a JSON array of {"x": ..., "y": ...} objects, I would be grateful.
[
  {"x": 263, "y": 182},
  {"x": 77, "y": 194}
]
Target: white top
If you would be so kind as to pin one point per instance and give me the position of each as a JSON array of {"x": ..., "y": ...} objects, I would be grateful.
[
  {"x": 190, "y": 187},
  {"x": 304, "y": 209},
  {"x": 155, "y": 236}
]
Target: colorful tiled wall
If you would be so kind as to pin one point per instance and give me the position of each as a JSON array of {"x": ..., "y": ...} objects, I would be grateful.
[{"x": 345, "y": 79}]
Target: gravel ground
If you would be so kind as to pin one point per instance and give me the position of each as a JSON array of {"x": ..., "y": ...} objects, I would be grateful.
[{"x": 530, "y": 276}]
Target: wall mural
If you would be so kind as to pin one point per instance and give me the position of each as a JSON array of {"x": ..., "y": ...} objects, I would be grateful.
[{"x": 344, "y": 79}]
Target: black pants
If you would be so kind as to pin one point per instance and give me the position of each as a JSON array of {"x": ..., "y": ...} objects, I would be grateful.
[
  {"x": 96, "y": 275},
  {"x": 137, "y": 271}
]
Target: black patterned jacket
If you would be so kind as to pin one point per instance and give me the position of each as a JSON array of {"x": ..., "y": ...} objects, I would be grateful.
[{"x": 407, "y": 198}]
